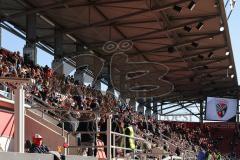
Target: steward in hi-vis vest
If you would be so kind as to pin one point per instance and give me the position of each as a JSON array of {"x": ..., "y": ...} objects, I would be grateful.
[{"x": 130, "y": 142}]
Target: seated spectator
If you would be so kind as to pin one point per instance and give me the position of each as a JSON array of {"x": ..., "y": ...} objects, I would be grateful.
[
  {"x": 177, "y": 151},
  {"x": 37, "y": 145}
]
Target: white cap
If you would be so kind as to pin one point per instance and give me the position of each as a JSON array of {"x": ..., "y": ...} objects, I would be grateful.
[{"x": 37, "y": 136}]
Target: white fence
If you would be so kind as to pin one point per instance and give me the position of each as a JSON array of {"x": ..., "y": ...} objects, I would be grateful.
[{"x": 24, "y": 156}]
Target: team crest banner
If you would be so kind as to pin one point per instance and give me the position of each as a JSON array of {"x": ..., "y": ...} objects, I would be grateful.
[{"x": 220, "y": 109}]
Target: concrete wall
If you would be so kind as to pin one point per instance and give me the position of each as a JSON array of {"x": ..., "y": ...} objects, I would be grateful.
[
  {"x": 50, "y": 138},
  {"x": 34, "y": 124},
  {"x": 6, "y": 131},
  {"x": 80, "y": 158},
  {"x": 48, "y": 123},
  {"x": 34, "y": 156},
  {"x": 22, "y": 156}
]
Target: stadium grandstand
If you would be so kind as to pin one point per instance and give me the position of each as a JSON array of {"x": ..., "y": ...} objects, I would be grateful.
[{"x": 129, "y": 79}]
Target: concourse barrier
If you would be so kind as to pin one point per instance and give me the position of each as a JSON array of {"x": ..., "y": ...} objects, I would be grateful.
[
  {"x": 36, "y": 156},
  {"x": 77, "y": 157},
  {"x": 24, "y": 156}
]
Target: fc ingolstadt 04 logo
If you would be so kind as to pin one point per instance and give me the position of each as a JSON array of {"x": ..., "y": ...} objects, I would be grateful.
[{"x": 221, "y": 109}]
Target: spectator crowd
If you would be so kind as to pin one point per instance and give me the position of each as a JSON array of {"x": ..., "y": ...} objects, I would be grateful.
[{"x": 69, "y": 97}]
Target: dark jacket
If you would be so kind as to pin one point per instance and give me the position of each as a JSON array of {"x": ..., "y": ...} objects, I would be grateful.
[{"x": 38, "y": 149}]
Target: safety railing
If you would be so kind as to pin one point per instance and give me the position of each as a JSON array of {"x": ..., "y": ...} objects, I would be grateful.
[
  {"x": 116, "y": 142},
  {"x": 188, "y": 154},
  {"x": 4, "y": 91}
]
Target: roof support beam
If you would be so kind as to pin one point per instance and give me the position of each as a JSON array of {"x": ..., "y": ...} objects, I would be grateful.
[
  {"x": 140, "y": 37},
  {"x": 164, "y": 108},
  {"x": 113, "y": 20},
  {"x": 188, "y": 42},
  {"x": 131, "y": 22},
  {"x": 172, "y": 28},
  {"x": 185, "y": 107},
  {"x": 31, "y": 29},
  {"x": 57, "y": 5},
  {"x": 181, "y": 107},
  {"x": 192, "y": 16}
]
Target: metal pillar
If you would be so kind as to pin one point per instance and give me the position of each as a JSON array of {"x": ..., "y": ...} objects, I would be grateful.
[
  {"x": 155, "y": 109},
  {"x": 58, "y": 64},
  {"x": 109, "y": 137},
  {"x": 19, "y": 121},
  {"x": 29, "y": 50},
  {"x": 97, "y": 85},
  {"x": 0, "y": 36},
  {"x": 31, "y": 29},
  {"x": 201, "y": 111},
  {"x": 141, "y": 106},
  {"x": 148, "y": 107},
  {"x": 238, "y": 114},
  {"x": 79, "y": 48},
  {"x": 79, "y": 75},
  {"x": 107, "y": 76},
  {"x": 161, "y": 108},
  {"x": 132, "y": 103},
  {"x": 58, "y": 47}
]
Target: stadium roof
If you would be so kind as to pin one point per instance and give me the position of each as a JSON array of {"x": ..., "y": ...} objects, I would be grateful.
[{"x": 183, "y": 35}]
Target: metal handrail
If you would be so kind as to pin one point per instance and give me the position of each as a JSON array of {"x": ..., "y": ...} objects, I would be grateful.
[
  {"x": 124, "y": 135},
  {"x": 157, "y": 141},
  {"x": 44, "y": 106}
]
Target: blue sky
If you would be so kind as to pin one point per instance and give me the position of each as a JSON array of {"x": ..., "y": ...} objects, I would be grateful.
[
  {"x": 13, "y": 43},
  {"x": 234, "y": 29}
]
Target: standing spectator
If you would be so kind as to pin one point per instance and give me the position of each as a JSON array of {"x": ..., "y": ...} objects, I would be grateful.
[
  {"x": 177, "y": 151},
  {"x": 209, "y": 155},
  {"x": 201, "y": 154}
]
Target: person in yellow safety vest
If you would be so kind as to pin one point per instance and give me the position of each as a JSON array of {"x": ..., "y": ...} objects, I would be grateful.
[{"x": 130, "y": 142}]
